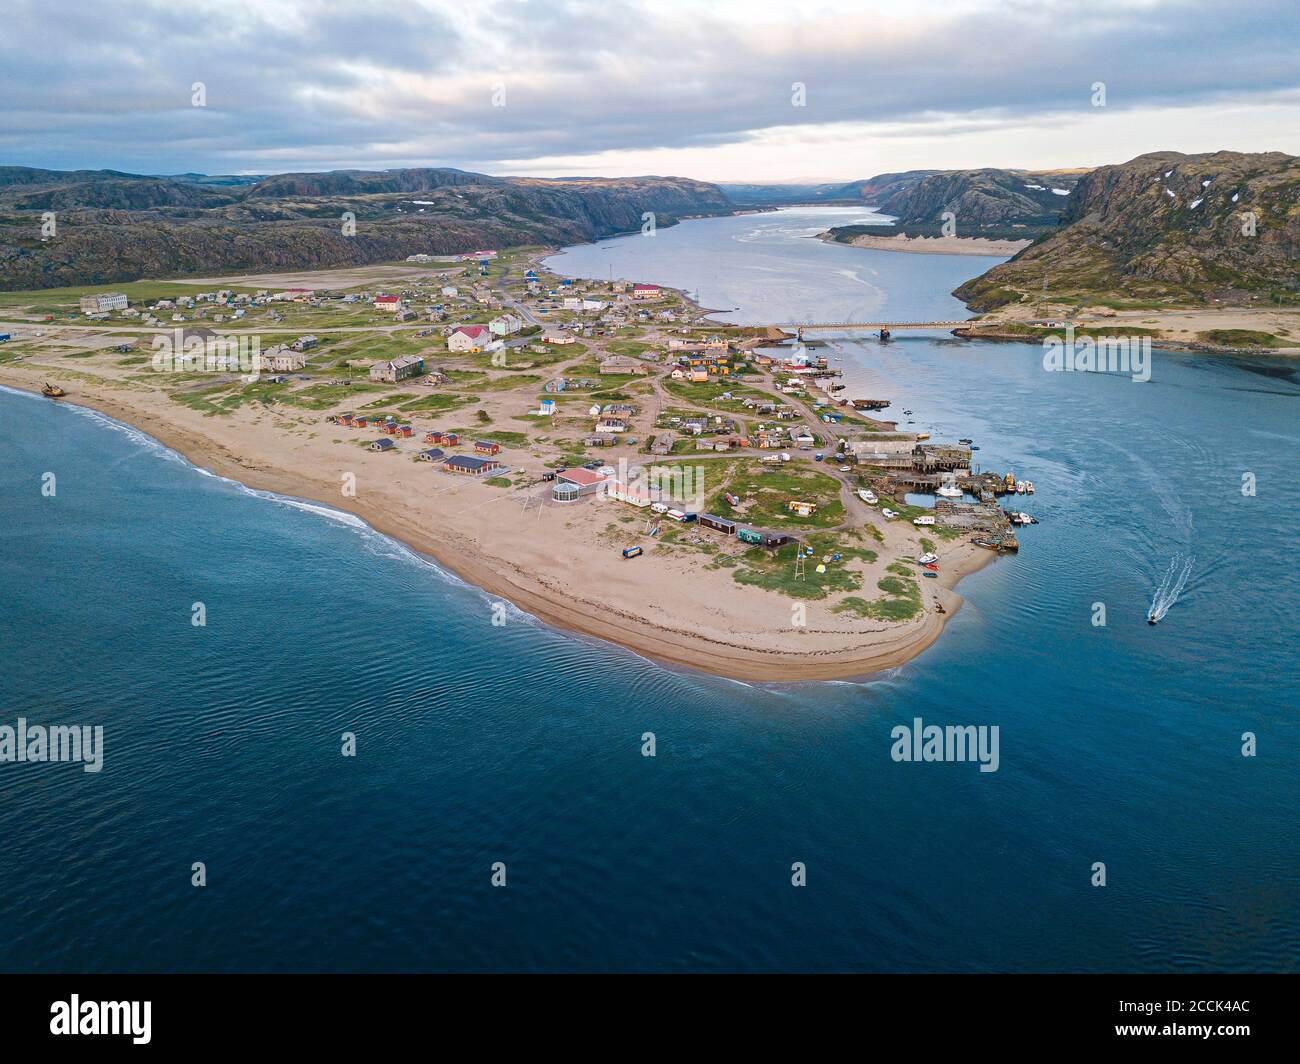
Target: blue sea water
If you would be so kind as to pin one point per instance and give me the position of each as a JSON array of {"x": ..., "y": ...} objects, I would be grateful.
[{"x": 521, "y": 744}]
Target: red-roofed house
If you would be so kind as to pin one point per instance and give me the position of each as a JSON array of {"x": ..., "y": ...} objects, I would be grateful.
[
  {"x": 389, "y": 303},
  {"x": 645, "y": 291}
]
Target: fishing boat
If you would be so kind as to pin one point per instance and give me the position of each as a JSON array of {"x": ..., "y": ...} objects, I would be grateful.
[
  {"x": 966, "y": 442},
  {"x": 949, "y": 490},
  {"x": 1029, "y": 487},
  {"x": 867, "y": 495},
  {"x": 53, "y": 391},
  {"x": 928, "y": 558}
]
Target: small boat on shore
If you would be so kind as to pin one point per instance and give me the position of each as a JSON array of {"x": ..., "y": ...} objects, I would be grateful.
[
  {"x": 928, "y": 558},
  {"x": 923, "y": 522},
  {"x": 53, "y": 391},
  {"x": 888, "y": 512},
  {"x": 868, "y": 496}
]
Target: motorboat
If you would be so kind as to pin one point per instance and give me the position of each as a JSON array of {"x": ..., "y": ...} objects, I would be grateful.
[
  {"x": 868, "y": 496},
  {"x": 888, "y": 512},
  {"x": 53, "y": 391},
  {"x": 949, "y": 490},
  {"x": 928, "y": 558},
  {"x": 1029, "y": 487}
]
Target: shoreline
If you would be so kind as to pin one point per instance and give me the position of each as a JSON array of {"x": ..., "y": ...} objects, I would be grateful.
[{"x": 575, "y": 614}]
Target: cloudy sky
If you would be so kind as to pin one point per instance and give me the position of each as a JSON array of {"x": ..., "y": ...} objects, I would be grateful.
[{"x": 726, "y": 90}]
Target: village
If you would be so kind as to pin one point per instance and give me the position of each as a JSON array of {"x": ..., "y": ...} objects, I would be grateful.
[{"x": 649, "y": 430}]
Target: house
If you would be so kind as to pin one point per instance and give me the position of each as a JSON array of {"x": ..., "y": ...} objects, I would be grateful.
[
  {"x": 583, "y": 482},
  {"x": 345, "y": 419},
  {"x": 678, "y": 373},
  {"x": 431, "y": 454},
  {"x": 282, "y": 359},
  {"x": 406, "y": 431},
  {"x": 699, "y": 376},
  {"x": 304, "y": 343},
  {"x": 487, "y": 447},
  {"x": 391, "y": 304},
  {"x": 383, "y": 445},
  {"x": 469, "y": 338},
  {"x": 622, "y": 364},
  {"x": 546, "y": 408},
  {"x": 557, "y": 336},
  {"x": 471, "y": 467},
  {"x": 611, "y": 424},
  {"x": 505, "y": 325},
  {"x": 104, "y": 302},
  {"x": 801, "y": 509},
  {"x": 397, "y": 369},
  {"x": 450, "y": 291},
  {"x": 662, "y": 444},
  {"x": 645, "y": 291},
  {"x": 447, "y": 439}
]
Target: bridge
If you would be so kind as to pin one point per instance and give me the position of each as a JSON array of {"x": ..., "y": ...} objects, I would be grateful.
[{"x": 870, "y": 326}]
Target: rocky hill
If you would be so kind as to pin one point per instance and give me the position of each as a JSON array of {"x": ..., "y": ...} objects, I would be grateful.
[
  {"x": 1221, "y": 227},
  {"x": 990, "y": 203},
  {"x": 121, "y": 227}
]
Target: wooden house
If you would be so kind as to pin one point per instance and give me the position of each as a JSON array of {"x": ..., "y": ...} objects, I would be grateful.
[
  {"x": 383, "y": 445},
  {"x": 486, "y": 447}
]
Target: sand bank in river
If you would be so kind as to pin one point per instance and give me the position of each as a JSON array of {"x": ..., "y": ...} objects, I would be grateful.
[{"x": 938, "y": 245}]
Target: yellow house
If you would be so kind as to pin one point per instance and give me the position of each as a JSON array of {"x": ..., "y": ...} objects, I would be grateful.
[{"x": 801, "y": 509}]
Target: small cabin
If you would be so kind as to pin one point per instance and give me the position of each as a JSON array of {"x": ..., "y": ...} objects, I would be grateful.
[
  {"x": 431, "y": 454},
  {"x": 718, "y": 524},
  {"x": 345, "y": 419},
  {"x": 486, "y": 447},
  {"x": 406, "y": 431},
  {"x": 383, "y": 445},
  {"x": 360, "y": 421},
  {"x": 632, "y": 552}
]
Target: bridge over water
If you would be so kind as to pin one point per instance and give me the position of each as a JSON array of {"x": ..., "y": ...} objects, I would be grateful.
[{"x": 869, "y": 326}]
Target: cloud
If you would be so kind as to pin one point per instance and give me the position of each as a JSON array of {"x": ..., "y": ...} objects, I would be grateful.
[{"x": 293, "y": 84}]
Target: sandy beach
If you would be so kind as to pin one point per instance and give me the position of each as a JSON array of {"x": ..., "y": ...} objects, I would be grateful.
[{"x": 560, "y": 564}]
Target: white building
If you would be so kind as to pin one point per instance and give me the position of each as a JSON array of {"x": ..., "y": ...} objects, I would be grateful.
[{"x": 103, "y": 303}]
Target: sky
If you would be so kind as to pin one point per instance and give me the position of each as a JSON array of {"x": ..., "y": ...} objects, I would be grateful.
[{"x": 720, "y": 90}]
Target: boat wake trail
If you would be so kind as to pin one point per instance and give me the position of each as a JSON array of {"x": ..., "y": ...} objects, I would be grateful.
[{"x": 1175, "y": 579}]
